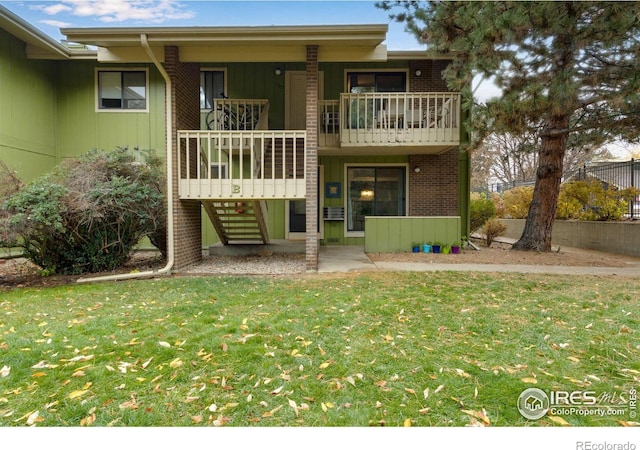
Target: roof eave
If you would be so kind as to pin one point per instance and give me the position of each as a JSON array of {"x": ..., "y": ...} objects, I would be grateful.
[
  {"x": 37, "y": 42},
  {"x": 319, "y": 34}
]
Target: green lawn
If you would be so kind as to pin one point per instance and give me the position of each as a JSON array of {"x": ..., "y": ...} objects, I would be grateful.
[{"x": 436, "y": 349}]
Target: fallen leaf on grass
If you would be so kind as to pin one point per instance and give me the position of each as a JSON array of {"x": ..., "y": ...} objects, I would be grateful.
[
  {"x": 34, "y": 417},
  {"x": 164, "y": 344},
  {"x": 131, "y": 404},
  {"x": 89, "y": 420},
  {"x": 272, "y": 412},
  {"x": 277, "y": 391},
  {"x": 559, "y": 420},
  {"x": 294, "y": 406},
  {"x": 480, "y": 415},
  {"x": 407, "y": 422},
  {"x": 77, "y": 394},
  {"x": 4, "y": 372},
  {"x": 326, "y": 406},
  {"x": 175, "y": 363},
  {"x": 530, "y": 380},
  {"x": 628, "y": 423}
]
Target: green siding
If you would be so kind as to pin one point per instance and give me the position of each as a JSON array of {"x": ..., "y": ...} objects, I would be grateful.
[
  {"x": 81, "y": 128},
  {"x": 334, "y": 172},
  {"x": 396, "y": 234},
  {"x": 27, "y": 110}
]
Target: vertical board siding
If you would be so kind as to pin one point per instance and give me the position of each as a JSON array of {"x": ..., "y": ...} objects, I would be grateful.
[
  {"x": 27, "y": 110},
  {"x": 82, "y": 128},
  {"x": 334, "y": 232},
  {"x": 396, "y": 234}
]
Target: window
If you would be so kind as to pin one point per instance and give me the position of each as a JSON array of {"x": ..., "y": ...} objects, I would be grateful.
[
  {"x": 218, "y": 171},
  {"x": 376, "y": 82},
  {"x": 211, "y": 87},
  {"x": 122, "y": 90},
  {"x": 374, "y": 191}
]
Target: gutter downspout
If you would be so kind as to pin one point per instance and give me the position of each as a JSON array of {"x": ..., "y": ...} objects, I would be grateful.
[{"x": 166, "y": 270}]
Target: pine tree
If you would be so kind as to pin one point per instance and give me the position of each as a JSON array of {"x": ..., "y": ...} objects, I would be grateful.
[{"x": 569, "y": 68}]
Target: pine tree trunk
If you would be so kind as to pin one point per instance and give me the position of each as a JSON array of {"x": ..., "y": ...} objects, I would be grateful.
[{"x": 536, "y": 235}]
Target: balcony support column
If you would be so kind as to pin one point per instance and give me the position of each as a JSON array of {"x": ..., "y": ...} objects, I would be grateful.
[
  {"x": 311, "y": 164},
  {"x": 185, "y": 102}
]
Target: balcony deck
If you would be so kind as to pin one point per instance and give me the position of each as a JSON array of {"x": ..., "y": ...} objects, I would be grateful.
[
  {"x": 240, "y": 160},
  {"x": 389, "y": 123},
  {"x": 235, "y": 165}
]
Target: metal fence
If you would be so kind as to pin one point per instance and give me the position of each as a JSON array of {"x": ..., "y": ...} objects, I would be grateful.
[
  {"x": 616, "y": 175},
  {"x": 501, "y": 187}
]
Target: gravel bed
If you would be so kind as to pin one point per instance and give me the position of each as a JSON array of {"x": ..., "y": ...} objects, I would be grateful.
[{"x": 276, "y": 264}]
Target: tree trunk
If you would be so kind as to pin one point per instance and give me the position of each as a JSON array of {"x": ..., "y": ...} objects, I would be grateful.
[{"x": 536, "y": 235}]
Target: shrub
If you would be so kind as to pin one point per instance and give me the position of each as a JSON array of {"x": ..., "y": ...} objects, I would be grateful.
[
  {"x": 481, "y": 210},
  {"x": 492, "y": 229},
  {"x": 589, "y": 200},
  {"x": 517, "y": 201},
  {"x": 9, "y": 185},
  {"x": 88, "y": 214}
]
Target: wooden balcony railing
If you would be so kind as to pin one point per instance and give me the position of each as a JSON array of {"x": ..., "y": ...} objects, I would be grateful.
[
  {"x": 407, "y": 118},
  {"x": 242, "y": 164}
]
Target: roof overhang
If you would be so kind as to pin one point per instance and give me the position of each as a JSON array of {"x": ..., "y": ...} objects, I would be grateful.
[
  {"x": 238, "y": 44},
  {"x": 39, "y": 45}
]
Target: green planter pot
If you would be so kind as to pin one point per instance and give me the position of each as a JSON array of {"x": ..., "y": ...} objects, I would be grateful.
[{"x": 446, "y": 249}]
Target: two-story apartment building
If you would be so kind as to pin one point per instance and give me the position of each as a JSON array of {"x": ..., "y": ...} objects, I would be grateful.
[{"x": 278, "y": 132}]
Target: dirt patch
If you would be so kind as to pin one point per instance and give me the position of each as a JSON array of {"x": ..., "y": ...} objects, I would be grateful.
[
  {"x": 18, "y": 272},
  {"x": 501, "y": 253}
]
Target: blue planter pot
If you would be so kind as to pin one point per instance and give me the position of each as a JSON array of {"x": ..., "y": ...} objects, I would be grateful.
[{"x": 426, "y": 248}]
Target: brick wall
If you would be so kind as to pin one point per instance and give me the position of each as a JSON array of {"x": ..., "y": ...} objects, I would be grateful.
[
  {"x": 312, "y": 159},
  {"x": 430, "y": 79},
  {"x": 186, "y": 116},
  {"x": 434, "y": 191}
]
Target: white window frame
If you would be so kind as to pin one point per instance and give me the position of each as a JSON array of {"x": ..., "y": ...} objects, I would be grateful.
[
  {"x": 345, "y": 196},
  {"x": 121, "y": 69}
]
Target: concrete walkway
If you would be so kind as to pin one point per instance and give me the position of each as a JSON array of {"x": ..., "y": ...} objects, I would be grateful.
[{"x": 351, "y": 258}]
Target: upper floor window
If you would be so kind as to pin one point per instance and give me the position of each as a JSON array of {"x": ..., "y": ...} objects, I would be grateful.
[
  {"x": 211, "y": 87},
  {"x": 360, "y": 82},
  {"x": 122, "y": 90}
]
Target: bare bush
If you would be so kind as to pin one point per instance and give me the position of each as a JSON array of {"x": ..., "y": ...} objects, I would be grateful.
[{"x": 492, "y": 229}]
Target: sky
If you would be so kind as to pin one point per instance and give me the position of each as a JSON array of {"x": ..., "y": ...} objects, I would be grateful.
[{"x": 49, "y": 16}]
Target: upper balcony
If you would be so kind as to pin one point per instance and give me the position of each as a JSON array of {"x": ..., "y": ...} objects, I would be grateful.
[
  {"x": 239, "y": 158},
  {"x": 383, "y": 123}
]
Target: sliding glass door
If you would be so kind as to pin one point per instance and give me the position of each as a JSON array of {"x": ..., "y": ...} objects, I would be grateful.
[{"x": 374, "y": 191}]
